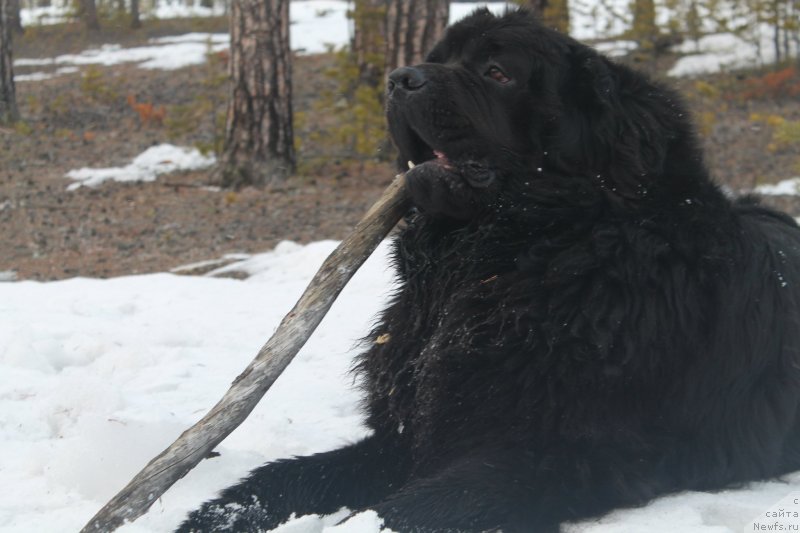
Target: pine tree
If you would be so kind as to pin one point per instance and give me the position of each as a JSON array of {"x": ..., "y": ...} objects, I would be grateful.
[
  {"x": 644, "y": 30},
  {"x": 8, "y": 102},
  {"x": 87, "y": 10},
  {"x": 369, "y": 40},
  {"x": 387, "y": 34},
  {"x": 259, "y": 141},
  {"x": 136, "y": 21},
  {"x": 15, "y": 19},
  {"x": 412, "y": 28},
  {"x": 556, "y": 15},
  {"x": 553, "y": 13}
]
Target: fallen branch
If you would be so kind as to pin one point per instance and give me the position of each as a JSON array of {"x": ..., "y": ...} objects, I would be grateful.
[{"x": 250, "y": 386}]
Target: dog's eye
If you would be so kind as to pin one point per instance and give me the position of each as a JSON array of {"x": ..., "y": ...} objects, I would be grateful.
[{"x": 497, "y": 75}]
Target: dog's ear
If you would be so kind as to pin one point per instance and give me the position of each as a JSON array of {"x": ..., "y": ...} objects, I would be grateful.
[{"x": 591, "y": 80}]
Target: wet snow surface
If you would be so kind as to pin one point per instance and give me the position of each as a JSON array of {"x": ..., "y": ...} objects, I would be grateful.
[{"x": 99, "y": 376}]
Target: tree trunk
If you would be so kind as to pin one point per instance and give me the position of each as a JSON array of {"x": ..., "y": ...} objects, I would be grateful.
[
  {"x": 694, "y": 24},
  {"x": 15, "y": 19},
  {"x": 87, "y": 10},
  {"x": 556, "y": 15},
  {"x": 537, "y": 7},
  {"x": 412, "y": 28},
  {"x": 645, "y": 30},
  {"x": 136, "y": 21},
  {"x": 8, "y": 101},
  {"x": 259, "y": 142},
  {"x": 369, "y": 40},
  {"x": 774, "y": 15},
  {"x": 388, "y": 34}
]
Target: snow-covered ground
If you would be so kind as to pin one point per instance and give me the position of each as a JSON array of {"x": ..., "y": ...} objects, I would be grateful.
[
  {"x": 165, "y": 53},
  {"x": 147, "y": 166},
  {"x": 319, "y": 24},
  {"x": 726, "y": 51},
  {"x": 98, "y": 376},
  {"x": 316, "y": 26},
  {"x": 606, "y": 18},
  {"x": 790, "y": 187}
]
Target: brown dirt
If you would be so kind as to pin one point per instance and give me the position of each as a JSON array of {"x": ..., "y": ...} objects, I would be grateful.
[
  {"x": 85, "y": 119},
  {"x": 127, "y": 228}
]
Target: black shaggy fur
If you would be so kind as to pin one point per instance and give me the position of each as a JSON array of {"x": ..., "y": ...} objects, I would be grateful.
[{"x": 584, "y": 321}]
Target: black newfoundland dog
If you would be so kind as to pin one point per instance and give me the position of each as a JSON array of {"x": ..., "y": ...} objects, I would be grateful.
[{"x": 584, "y": 320}]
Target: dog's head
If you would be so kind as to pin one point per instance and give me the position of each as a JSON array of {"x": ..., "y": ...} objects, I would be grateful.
[{"x": 508, "y": 91}]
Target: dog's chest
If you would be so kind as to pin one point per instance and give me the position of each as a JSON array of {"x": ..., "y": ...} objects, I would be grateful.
[{"x": 457, "y": 316}]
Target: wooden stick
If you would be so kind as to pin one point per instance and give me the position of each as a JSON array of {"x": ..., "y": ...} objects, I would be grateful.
[{"x": 249, "y": 387}]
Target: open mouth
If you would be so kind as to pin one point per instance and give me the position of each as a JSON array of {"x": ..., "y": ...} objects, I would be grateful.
[
  {"x": 476, "y": 171},
  {"x": 418, "y": 151}
]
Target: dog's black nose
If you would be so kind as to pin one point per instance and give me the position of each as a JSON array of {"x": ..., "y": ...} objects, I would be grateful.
[{"x": 406, "y": 78}]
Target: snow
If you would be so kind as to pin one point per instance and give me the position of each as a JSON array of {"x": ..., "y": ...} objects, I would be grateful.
[
  {"x": 147, "y": 166},
  {"x": 56, "y": 14},
  {"x": 320, "y": 24},
  {"x": 593, "y": 20},
  {"x": 790, "y": 187},
  {"x": 172, "y": 9},
  {"x": 99, "y": 376},
  {"x": 306, "y": 15},
  {"x": 164, "y": 54},
  {"x": 459, "y": 11},
  {"x": 615, "y": 48},
  {"x": 39, "y": 76},
  {"x": 725, "y": 51},
  {"x": 316, "y": 26},
  {"x": 43, "y": 16}
]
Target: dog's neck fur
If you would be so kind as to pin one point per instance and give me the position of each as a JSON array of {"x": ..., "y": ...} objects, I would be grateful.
[{"x": 646, "y": 148}]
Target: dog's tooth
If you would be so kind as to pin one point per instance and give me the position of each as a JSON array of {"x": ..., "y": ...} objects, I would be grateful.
[{"x": 411, "y": 165}]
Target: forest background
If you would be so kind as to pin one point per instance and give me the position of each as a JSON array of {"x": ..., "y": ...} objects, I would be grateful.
[{"x": 734, "y": 60}]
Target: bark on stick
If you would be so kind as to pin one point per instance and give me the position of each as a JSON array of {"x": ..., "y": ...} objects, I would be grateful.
[{"x": 250, "y": 386}]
